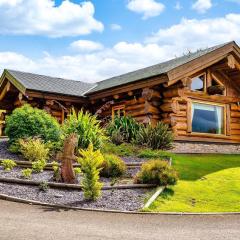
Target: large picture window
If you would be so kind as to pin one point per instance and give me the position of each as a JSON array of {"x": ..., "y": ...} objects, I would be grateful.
[{"x": 207, "y": 118}]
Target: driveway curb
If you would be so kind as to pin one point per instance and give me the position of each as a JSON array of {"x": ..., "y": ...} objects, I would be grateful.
[{"x": 32, "y": 202}]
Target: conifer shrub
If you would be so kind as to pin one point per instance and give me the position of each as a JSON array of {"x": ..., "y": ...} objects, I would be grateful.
[
  {"x": 34, "y": 149},
  {"x": 113, "y": 166},
  {"x": 91, "y": 162},
  {"x": 26, "y": 121},
  {"x": 157, "y": 172},
  {"x": 87, "y": 126}
]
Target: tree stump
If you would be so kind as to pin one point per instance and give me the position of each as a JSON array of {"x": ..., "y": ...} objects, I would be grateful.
[{"x": 67, "y": 157}]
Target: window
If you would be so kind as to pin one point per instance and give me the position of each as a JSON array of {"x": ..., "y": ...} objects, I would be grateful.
[
  {"x": 118, "y": 111},
  {"x": 198, "y": 83},
  {"x": 207, "y": 118}
]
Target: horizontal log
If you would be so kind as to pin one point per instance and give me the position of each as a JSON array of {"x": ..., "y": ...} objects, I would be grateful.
[
  {"x": 235, "y": 107},
  {"x": 235, "y": 120},
  {"x": 181, "y": 126},
  {"x": 135, "y": 106},
  {"x": 235, "y": 126},
  {"x": 235, "y": 114},
  {"x": 235, "y": 132},
  {"x": 177, "y": 92}
]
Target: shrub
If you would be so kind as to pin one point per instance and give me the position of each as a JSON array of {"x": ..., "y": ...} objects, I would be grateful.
[
  {"x": 38, "y": 166},
  {"x": 56, "y": 171},
  {"x": 27, "y": 173},
  {"x": 159, "y": 137},
  {"x": 77, "y": 171},
  {"x": 43, "y": 186},
  {"x": 123, "y": 150},
  {"x": 34, "y": 149},
  {"x": 112, "y": 166},
  {"x": 156, "y": 172},
  {"x": 116, "y": 137},
  {"x": 154, "y": 154},
  {"x": 26, "y": 121},
  {"x": 91, "y": 162},
  {"x": 127, "y": 127},
  {"x": 87, "y": 127},
  {"x": 8, "y": 164}
]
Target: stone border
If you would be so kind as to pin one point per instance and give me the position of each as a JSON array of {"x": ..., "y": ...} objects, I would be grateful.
[
  {"x": 154, "y": 197},
  {"x": 72, "y": 186},
  {"x": 32, "y": 202},
  {"x": 27, "y": 164}
]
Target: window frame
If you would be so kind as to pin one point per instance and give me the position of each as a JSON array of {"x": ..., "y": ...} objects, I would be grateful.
[
  {"x": 204, "y": 82},
  {"x": 118, "y": 108},
  {"x": 224, "y": 119}
]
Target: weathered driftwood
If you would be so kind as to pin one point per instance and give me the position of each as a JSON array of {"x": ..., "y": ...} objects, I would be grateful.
[{"x": 67, "y": 157}]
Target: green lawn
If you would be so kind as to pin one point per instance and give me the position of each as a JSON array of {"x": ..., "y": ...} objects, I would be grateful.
[{"x": 208, "y": 183}]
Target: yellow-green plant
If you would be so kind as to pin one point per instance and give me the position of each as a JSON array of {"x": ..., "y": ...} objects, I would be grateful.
[
  {"x": 87, "y": 126},
  {"x": 157, "y": 172},
  {"x": 8, "y": 164},
  {"x": 113, "y": 166},
  {"x": 91, "y": 162},
  {"x": 27, "y": 173},
  {"x": 38, "y": 166},
  {"x": 34, "y": 149},
  {"x": 77, "y": 171},
  {"x": 56, "y": 171}
]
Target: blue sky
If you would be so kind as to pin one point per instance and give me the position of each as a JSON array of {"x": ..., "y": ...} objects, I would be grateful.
[{"x": 97, "y": 39}]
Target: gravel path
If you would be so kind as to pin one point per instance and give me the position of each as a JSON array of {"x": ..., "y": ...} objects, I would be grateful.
[{"x": 130, "y": 199}]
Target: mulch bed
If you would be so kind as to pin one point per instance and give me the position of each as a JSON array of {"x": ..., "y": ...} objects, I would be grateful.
[
  {"x": 116, "y": 199},
  {"x": 124, "y": 200}
]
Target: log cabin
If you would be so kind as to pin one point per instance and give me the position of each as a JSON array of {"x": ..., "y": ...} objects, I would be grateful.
[{"x": 197, "y": 95}]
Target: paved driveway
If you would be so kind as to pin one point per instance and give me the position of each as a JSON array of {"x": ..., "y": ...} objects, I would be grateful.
[{"x": 24, "y": 222}]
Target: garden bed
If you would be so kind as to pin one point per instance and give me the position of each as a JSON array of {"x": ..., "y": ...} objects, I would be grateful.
[{"x": 115, "y": 199}]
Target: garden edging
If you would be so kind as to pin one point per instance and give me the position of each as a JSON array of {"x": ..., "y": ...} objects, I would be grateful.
[
  {"x": 32, "y": 202},
  {"x": 72, "y": 186}
]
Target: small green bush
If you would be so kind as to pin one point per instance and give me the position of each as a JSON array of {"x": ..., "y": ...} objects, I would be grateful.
[
  {"x": 91, "y": 162},
  {"x": 112, "y": 166},
  {"x": 116, "y": 137},
  {"x": 26, "y": 121},
  {"x": 156, "y": 172},
  {"x": 159, "y": 137},
  {"x": 34, "y": 149},
  {"x": 27, "y": 173},
  {"x": 56, "y": 171},
  {"x": 123, "y": 150},
  {"x": 38, "y": 166},
  {"x": 87, "y": 126},
  {"x": 43, "y": 186},
  {"x": 126, "y": 127},
  {"x": 8, "y": 164},
  {"x": 77, "y": 171},
  {"x": 154, "y": 154}
]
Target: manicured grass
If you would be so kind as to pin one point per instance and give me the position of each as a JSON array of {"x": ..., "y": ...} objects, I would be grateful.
[
  {"x": 195, "y": 166},
  {"x": 208, "y": 183}
]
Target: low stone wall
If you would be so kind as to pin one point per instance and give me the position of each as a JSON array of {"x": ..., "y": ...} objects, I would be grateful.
[{"x": 198, "y": 147}]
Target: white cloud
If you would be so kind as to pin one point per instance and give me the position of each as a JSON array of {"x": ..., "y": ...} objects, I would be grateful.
[
  {"x": 41, "y": 17},
  {"x": 86, "y": 46},
  {"x": 149, "y": 8},
  {"x": 194, "y": 34},
  {"x": 116, "y": 27},
  {"x": 202, "y": 6},
  {"x": 178, "y": 6},
  {"x": 189, "y": 34}
]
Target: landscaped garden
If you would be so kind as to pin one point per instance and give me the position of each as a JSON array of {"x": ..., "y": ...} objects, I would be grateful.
[{"x": 116, "y": 166}]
